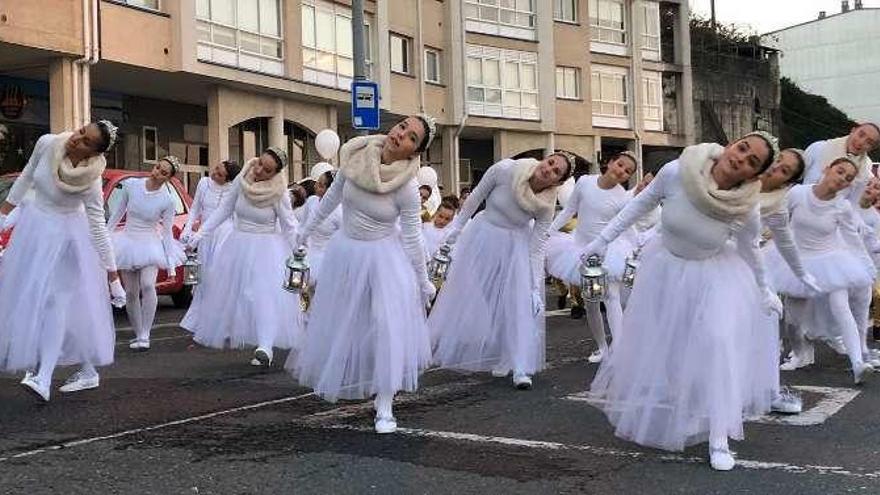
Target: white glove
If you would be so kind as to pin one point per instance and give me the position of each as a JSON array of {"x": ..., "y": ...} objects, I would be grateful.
[
  {"x": 117, "y": 294},
  {"x": 185, "y": 237},
  {"x": 428, "y": 292},
  {"x": 452, "y": 236},
  {"x": 301, "y": 239},
  {"x": 597, "y": 247},
  {"x": 770, "y": 302},
  {"x": 537, "y": 302},
  {"x": 811, "y": 283},
  {"x": 194, "y": 239}
]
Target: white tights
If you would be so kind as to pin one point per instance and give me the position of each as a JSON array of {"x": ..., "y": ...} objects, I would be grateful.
[
  {"x": 614, "y": 311},
  {"x": 845, "y": 321},
  {"x": 860, "y": 302},
  {"x": 141, "y": 299}
]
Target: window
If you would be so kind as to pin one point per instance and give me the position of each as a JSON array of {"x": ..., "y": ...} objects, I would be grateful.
[
  {"x": 511, "y": 18},
  {"x": 328, "y": 48},
  {"x": 568, "y": 83},
  {"x": 608, "y": 86},
  {"x": 242, "y": 33},
  {"x": 150, "y": 145},
  {"x": 432, "y": 65},
  {"x": 652, "y": 100},
  {"x": 650, "y": 12},
  {"x": 565, "y": 10},
  {"x": 401, "y": 54},
  {"x": 147, "y": 4},
  {"x": 502, "y": 83},
  {"x": 607, "y": 21}
]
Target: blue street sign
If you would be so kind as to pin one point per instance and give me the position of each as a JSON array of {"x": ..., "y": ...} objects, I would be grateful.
[{"x": 364, "y": 105}]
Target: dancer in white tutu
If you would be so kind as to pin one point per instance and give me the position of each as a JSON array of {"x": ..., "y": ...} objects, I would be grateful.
[
  {"x": 209, "y": 195},
  {"x": 861, "y": 140},
  {"x": 826, "y": 232},
  {"x": 675, "y": 375},
  {"x": 596, "y": 199},
  {"x": 489, "y": 316},
  {"x": 366, "y": 333},
  {"x": 244, "y": 303},
  {"x": 786, "y": 171},
  {"x": 53, "y": 279},
  {"x": 145, "y": 245},
  {"x": 324, "y": 231},
  {"x": 860, "y": 300},
  {"x": 434, "y": 232}
]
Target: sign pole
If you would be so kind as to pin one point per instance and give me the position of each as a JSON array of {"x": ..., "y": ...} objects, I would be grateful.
[{"x": 358, "y": 47}]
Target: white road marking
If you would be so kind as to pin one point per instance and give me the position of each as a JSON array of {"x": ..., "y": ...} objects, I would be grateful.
[
  {"x": 628, "y": 454},
  {"x": 832, "y": 401},
  {"x": 135, "y": 431}
]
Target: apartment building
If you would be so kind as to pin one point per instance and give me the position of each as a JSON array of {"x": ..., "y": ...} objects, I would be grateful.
[{"x": 212, "y": 79}]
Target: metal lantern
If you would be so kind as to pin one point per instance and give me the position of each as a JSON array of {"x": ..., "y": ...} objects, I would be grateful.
[
  {"x": 191, "y": 269},
  {"x": 632, "y": 265},
  {"x": 297, "y": 278},
  {"x": 439, "y": 265},
  {"x": 594, "y": 279}
]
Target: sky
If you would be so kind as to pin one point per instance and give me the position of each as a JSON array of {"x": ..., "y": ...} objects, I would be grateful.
[{"x": 761, "y": 16}]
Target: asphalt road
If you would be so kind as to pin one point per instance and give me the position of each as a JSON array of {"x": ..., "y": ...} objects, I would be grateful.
[{"x": 182, "y": 419}]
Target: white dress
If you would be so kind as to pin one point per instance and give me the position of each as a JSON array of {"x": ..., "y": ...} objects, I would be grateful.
[
  {"x": 826, "y": 232},
  {"x": 54, "y": 272},
  {"x": 317, "y": 243},
  {"x": 142, "y": 242},
  {"x": 815, "y": 157},
  {"x": 433, "y": 238},
  {"x": 366, "y": 331},
  {"x": 244, "y": 303},
  {"x": 678, "y": 365},
  {"x": 595, "y": 207},
  {"x": 209, "y": 197},
  {"x": 483, "y": 319}
]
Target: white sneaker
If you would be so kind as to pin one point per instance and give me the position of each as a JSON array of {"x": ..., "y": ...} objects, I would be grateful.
[
  {"x": 263, "y": 356},
  {"x": 596, "y": 356},
  {"x": 522, "y": 381},
  {"x": 721, "y": 459},
  {"x": 139, "y": 345},
  {"x": 795, "y": 362},
  {"x": 80, "y": 381},
  {"x": 500, "y": 373},
  {"x": 859, "y": 371},
  {"x": 386, "y": 425},
  {"x": 787, "y": 402},
  {"x": 837, "y": 344},
  {"x": 32, "y": 385},
  {"x": 256, "y": 362}
]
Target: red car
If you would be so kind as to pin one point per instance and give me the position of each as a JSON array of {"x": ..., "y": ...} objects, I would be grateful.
[{"x": 112, "y": 181}]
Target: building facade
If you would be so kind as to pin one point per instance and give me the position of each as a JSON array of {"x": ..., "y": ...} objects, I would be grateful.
[
  {"x": 207, "y": 80},
  {"x": 835, "y": 56}
]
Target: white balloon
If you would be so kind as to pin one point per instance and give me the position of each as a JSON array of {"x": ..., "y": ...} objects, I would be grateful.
[
  {"x": 564, "y": 192},
  {"x": 327, "y": 143},
  {"x": 320, "y": 169},
  {"x": 427, "y": 176}
]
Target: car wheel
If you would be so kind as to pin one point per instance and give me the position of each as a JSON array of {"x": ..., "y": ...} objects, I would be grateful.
[{"x": 183, "y": 298}]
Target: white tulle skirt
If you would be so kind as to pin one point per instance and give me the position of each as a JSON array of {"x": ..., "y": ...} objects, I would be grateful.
[
  {"x": 316, "y": 261},
  {"x": 564, "y": 257},
  {"x": 138, "y": 249},
  {"x": 51, "y": 277},
  {"x": 482, "y": 319},
  {"x": 243, "y": 302},
  {"x": 366, "y": 331},
  {"x": 209, "y": 247},
  {"x": 681, "y": 361}
]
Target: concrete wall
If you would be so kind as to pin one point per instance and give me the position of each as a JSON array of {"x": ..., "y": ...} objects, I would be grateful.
[
  {"x": 48, "y": 24},
  {"x": 153, "y": 45}
]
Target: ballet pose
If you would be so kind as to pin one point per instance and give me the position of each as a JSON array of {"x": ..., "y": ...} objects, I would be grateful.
[
  {"x": 489, "y": 315},
  {"x": 366, "y": 334},
  {"x": 53, "y": 279},
  {"x": 244, "y": 303},
  {"x": 141, "y": 250},
  {"x": 675, "y": 375},
  {"x": 861, "y": 140},
  {"x": 596, "y": 200}
]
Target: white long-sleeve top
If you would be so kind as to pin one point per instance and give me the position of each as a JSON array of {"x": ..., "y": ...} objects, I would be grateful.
[
  {"x": 502, "y": 210},
  {"x": 783, "y": 239},
  {"x": 869, "y": 229},
  {"x": 323, "y": 231},
  {"x": 145, "y": 211},
  {"x": 814, "y": 169},
  {"x": 249, "y": 218},
  {"x": 209, "y": 196},
  {"x": 823, "y": 226},
  {"x": 371, "y": 216},
  {"x": 433, "y": 237},
  {"x": 38, "y": 174},
  {"x": 685, "y": 231},
  {"x": 595, "y": 207}
]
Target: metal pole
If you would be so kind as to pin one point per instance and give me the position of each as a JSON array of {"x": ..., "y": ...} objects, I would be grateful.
[
  {"x": 712, "y": 2},
  {"x": 359, "y": 41}
]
